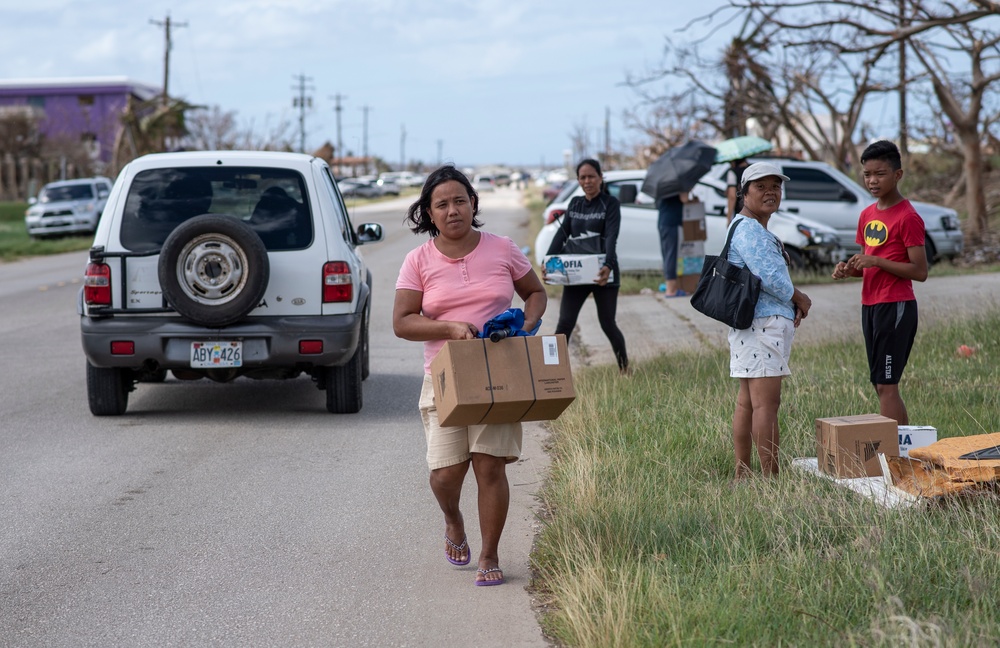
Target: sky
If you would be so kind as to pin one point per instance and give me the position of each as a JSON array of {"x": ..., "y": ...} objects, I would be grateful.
[{"x": 471, "y": 82}]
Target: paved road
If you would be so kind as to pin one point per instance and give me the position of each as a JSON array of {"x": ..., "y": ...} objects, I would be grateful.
[{"x": 236, "y": 515}]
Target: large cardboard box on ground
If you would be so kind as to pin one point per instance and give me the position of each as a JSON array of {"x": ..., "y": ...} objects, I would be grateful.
[
  {"x": 515, "y": 379},
  {"x": 573, "y": 269},
  {"x": 848, "y": 446}
]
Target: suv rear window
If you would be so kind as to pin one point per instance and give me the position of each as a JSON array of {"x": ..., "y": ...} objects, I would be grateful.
[
  {"x": 271, "y": 201},
  {"x": 65, "y": 193}
]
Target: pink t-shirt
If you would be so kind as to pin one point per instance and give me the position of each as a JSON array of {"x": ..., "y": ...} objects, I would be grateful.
[{"x": 475, "y": 288}]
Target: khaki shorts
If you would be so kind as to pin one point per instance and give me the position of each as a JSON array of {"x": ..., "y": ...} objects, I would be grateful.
[
  {"x": 447, "y": 446},
  {"x": 763, "y": 349}
]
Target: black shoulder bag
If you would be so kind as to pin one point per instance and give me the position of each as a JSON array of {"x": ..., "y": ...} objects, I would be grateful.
[{"x": 727, "y": 292}]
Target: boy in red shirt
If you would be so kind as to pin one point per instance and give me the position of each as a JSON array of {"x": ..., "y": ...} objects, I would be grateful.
[{"x": 893, "y": 256}]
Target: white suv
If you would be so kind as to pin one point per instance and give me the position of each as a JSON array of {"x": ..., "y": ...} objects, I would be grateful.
[
  {"x": 808, "y": 243},
  {"x": 226, "y": 264},
  {"x": 822, "y": 193},
  {"x": 67, "y": 207}
]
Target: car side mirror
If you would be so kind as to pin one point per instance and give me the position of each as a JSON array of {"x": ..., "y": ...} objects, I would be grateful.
[
  {"x": 627, "y": 194},
  {"x": 369, "y": 233},
  {"x": 102, "y": 193}
]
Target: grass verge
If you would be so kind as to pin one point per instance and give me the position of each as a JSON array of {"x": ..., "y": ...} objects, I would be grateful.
[
  {"x": 647, "y": 544},
  {"x": 16, "y": 244}
]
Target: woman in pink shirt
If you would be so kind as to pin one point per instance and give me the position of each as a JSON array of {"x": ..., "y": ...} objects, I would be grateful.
[{"x": 447, "y": 289}]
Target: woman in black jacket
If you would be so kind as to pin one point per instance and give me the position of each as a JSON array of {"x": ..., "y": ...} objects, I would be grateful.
[{"x": 590, "y": 226}]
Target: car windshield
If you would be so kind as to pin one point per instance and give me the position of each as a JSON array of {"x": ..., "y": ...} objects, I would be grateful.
[
  {"x": 66, "y": 193},
  {"x": 272, "y": 201}
]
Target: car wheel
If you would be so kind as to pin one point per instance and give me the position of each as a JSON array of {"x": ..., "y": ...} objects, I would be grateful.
[
  {"x": 364, "y": 343},
  {"x": 213, "y": 270},
  {"x": 107, "y": 390},
  {"x": 930, "y": 250},
  {"x": 343, "y": 385}
]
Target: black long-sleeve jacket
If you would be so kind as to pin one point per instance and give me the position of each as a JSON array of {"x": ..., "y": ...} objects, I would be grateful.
[{"x": 591, "y": 227}]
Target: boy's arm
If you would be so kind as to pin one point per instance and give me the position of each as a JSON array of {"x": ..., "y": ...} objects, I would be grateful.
[{"x": 915, "y": 269}]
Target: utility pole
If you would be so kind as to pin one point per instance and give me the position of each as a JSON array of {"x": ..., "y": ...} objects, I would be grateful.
[
  {"x": 301, "y": 101},
  {"x": 166, "y": 24},
  {"x": 402, "y": 147},
  {"x": 364, "y": 140},
  {"x": 903, "y": 126},
  {"x": 607, "y": 134},
  {"x": 337, "y": 108}
]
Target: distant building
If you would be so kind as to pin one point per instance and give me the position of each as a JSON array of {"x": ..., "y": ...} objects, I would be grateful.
[{"x": 85, "y": 109}]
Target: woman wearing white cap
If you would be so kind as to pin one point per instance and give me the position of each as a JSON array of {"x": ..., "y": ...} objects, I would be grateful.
[{"x": 759, "y": 355}]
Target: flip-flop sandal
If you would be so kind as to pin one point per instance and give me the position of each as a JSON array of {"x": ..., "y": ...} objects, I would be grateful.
[
  {"x": 460, "y": 548},
  {"x": 487, "y": 583}
]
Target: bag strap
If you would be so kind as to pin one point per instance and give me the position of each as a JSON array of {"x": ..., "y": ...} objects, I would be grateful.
[{"x": 729, "y": 239}]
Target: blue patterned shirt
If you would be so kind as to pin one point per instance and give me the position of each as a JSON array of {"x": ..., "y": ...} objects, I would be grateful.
[{"x": 761, "y": 251}]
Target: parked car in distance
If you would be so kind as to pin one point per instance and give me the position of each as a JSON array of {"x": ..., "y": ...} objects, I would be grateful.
[
  {"x": 221, "y": 265},
  {"x": 402, "y": 178},
  {"x": 482, "y": 182},
  {"x": 552, "y": 189},
  {"x": 387, "y": 186},
  {"x": 809, "y": 244},
  {"x": 358, "y": 188},
  {"x": 824, "y": 194},
  {"x": 67, "y": 207}
]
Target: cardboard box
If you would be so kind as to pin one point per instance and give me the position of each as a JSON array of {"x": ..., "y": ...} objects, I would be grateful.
[
  {"x": 915, "y": 436},
  {"x": 691, "y": 249},
  {"x": 848, "y": 446},
  {"x": 516, "y": 379},
  {"x": 693, "y": 211},
  {"x": 688, "y": 283},
  {"x": 573, "y": 269},
  {"x": 694, "y": 230}
]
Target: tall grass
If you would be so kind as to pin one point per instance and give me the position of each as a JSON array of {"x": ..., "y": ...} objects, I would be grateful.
[{"x": 647, "y": 543}]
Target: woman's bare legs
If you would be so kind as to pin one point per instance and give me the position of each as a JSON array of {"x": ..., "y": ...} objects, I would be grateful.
[
  {"x": 446, "y": 484},
  {"x": 755, "y": 421},
  {"x": 494, "y": 500}
]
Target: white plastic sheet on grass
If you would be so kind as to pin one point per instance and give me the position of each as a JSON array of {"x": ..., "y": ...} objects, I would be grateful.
[{"x": 874, "y": 488}]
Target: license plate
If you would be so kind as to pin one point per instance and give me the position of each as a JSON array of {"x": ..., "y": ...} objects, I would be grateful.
[{"x": 208, "y": 355}]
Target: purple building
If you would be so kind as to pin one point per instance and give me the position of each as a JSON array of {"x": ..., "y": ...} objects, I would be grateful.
[{"x": 85, "y": 109}]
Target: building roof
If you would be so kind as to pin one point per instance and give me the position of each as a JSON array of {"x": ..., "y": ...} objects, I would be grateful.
[{"x": 60, "y": 85}]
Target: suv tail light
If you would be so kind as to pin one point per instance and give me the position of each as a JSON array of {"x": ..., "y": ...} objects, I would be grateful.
[
  {"x": 97, "y": 285},
  {"x": 555, "y": 215},
  {"x": 338, "y": 286}
]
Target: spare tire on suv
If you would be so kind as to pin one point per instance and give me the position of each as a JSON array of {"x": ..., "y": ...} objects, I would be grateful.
[{"x": 213, "y": 270}]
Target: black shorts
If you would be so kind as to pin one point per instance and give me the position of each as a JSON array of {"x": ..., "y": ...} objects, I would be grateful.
[{"x": 889, "y": 331}]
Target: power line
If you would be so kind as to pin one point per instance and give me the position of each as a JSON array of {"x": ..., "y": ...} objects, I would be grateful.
[
  {"x": 166, "y": 24},
  {"x": 302, "y": 101},
  {"x": 338, "y": 108}
]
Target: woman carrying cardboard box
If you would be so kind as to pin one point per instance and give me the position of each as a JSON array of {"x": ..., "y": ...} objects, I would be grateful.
[
  {"x": 447, "y": 288},
  {"x": 591, "y": 226}
]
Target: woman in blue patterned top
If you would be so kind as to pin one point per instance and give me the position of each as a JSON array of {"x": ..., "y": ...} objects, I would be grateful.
[{"x": 759, "y": 355}]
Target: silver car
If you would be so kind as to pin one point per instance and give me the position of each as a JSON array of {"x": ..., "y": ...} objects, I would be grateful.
[
  {"x": 67, "y": 207},
  {"x": 824, "y": 194}
]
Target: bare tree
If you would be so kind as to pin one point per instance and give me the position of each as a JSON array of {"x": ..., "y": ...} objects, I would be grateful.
[
  {"x": 940, "y": 34},
  {"x": 810, "y": 95}
]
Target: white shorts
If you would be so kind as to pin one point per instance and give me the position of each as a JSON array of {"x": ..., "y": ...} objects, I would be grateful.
[
  {"x": 447, "y": 446},
  {"x": 763, "y": 349}
]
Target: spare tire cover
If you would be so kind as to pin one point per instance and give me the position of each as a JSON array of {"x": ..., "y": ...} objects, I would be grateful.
[{"x": 213, "y": 269}]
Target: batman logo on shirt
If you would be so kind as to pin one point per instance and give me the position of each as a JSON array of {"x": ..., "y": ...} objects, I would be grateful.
[{"x": 875, "y": 233}]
